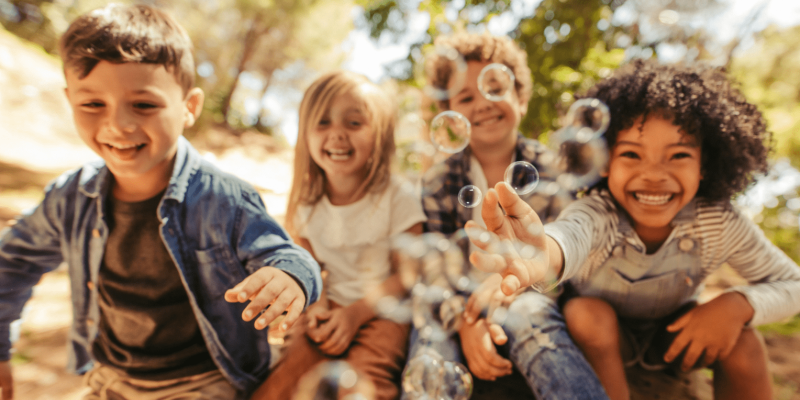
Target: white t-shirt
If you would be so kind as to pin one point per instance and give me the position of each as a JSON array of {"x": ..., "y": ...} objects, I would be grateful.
[{"x": 353, "y": 241}]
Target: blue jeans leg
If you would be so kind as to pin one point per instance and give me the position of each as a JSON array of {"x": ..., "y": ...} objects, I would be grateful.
[
  {"x": 540, "y": 347},
  {"x": 450, "y": 349}
]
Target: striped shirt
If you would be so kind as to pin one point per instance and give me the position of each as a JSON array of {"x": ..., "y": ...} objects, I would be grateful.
[{"x": 589, "y": 229}]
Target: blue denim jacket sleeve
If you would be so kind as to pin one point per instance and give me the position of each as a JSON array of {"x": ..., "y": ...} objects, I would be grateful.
[
  {"x": 264, "y": 243},
  {"x": 28, "y": 249}
]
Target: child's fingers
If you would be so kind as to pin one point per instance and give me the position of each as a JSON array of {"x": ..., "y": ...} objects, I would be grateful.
[
  {"x": 490, "y": 211},
  {"x": 710, "y": 356},
  {"x": 510, "y": 201},
  {"x": 232, "y": 294},
  {"x": 480, "y": 237},
  {"x": 692, "y": 354},
  {"x": 680, "y": 323},
  {"x": 498, "y": 335},
  {"x": 510, "y": 284},
  {"x": 472, "y": 309},
  {"x": 488, "y": 262},
  {"x": 323, "y": 332},
  {"x": 295, "y": 309},
  {"x": 677, "y": 346},
  {"x": 278, "y": 306}
]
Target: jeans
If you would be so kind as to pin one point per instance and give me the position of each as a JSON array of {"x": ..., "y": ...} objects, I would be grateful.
[{"x": 539, "y": 346}]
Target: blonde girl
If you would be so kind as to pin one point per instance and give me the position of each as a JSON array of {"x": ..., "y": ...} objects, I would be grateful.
[{"x": 343, "y": 207}]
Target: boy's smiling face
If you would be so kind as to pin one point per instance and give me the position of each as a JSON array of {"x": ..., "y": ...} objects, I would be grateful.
[
  {"x": 131, "y": 115},
  {"x": 492, "y": 122},
  {"x": 653, "y": 173}
]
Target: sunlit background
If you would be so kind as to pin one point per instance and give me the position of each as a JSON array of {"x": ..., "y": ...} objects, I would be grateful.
[{"x": 255, "y": 57}]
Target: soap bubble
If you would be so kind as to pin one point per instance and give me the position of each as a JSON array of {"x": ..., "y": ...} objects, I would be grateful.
[
  {"x": 470, "y": 196},
  {"x": 579, "y": 162},
  {"x": 522, "y": 176},
  {"x": 589, "y": 118},
  {"x": 457, "y": 381},
  {"x": 424, "y": 375},
  {"x": 496, "y": 81},
  {"x": 450, "y": 131},
  {"x": 334, "y": 380},
  {"x": 446, "y": 59}
]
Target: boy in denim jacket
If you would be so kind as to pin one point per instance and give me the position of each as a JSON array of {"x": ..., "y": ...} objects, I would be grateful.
[{"x": 164, "y": 250}]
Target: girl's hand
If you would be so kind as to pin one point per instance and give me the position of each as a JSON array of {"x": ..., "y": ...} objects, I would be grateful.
[
  {"x": 477, "y": 342},
  {"x": 336, "y": 334},
  {"x": 517, "y": 245},
  {"x": 317, "y": 314},
  {"x": 487, "y": 296},
  {"x": 272, "y": 291},
  {"x": 713, "y": 327}
]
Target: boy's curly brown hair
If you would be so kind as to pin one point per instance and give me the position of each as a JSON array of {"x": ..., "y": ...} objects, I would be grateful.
[
  {"x": 480, "y": 47},
  {"x": 701, "y": 100}
]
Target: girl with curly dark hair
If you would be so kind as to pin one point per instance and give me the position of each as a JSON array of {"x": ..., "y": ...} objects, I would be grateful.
[{"x": 636, "y": 249}]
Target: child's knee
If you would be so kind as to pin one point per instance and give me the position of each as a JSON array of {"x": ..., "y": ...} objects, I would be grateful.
[
  {"x": 591, "y": 322},
  {"x": 748, "y": 356}
]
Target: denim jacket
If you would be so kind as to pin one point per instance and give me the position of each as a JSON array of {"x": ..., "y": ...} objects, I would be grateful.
[{"x": 216, "y": 229}]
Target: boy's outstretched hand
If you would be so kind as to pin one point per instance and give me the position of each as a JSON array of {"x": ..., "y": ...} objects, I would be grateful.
[
  {"x": 713, "y": 327},
  {"x": 269, "y": 287},
  {"x": 516, "y": 244}
]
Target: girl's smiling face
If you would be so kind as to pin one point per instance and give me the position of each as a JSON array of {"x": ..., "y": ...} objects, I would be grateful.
[{"x": 653, "y": 173}]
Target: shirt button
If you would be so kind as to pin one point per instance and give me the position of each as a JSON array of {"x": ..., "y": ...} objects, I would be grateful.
[
  {"x": 689, "y": 281},
  {"x": 171, "y": 231},
  {"x": 89, "y": 322},
  {"x": 686, "y": 244},
  {"x": 96, "y": 233},
  {"x": 90, "y": 285}
]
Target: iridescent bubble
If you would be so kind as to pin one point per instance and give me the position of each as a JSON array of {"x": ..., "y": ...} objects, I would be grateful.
[
  {"x": 589, "y": 118},
  {"x": 470, "y": 196},
  {"x": 496, "y": 81},
  {"x": 450, "y": 131},
  {"x": 424, "y": 375},
  {"x": 457, "y": 381},
  {"x": 522, "y": 176},
  {"x": 334, "y": 380},
  {"x": 449, "y": 60},
  {"x": 579, "y": 162}
]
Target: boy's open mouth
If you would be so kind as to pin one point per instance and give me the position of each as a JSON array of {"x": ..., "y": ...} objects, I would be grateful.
[
  {"x": 489, "y": 121},
  {"x": 339, "y": 155},
  {"x": 653, "y": 199},
  {"x": 125, "y": 151}
]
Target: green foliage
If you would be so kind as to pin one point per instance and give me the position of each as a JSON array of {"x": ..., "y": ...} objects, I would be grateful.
[{"x": 768, "y": 76}]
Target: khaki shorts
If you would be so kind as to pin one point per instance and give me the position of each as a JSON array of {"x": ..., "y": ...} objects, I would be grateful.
[{"x": 105, "y": 383}]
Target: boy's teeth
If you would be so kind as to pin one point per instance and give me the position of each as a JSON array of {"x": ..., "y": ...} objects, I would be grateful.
[{"x": 653, "y": 199}]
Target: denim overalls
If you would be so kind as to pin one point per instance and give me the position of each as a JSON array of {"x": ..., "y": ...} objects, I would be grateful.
[{"x": 649, "y": 286}]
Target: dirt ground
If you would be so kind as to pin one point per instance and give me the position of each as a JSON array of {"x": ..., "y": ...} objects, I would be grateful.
[{"x": 38, "y": 142}]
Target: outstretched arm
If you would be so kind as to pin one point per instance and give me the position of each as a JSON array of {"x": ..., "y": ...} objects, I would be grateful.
[{"x": 515, "y": 242}]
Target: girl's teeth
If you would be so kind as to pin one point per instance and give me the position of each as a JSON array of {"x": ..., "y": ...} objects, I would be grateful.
[{"x": 653, "y": 199}]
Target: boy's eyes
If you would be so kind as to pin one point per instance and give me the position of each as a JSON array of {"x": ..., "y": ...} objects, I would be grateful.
[
  {"x": 465, "y": 99},
  {"x": 629, "y": 154},
  {"x": 678, "y": 156},
  {"x": 144, "y": 106},
  {"x": 92, "y": 104}
]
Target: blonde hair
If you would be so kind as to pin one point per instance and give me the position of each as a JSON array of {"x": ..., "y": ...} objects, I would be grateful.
[{"x": 308, "y": 183}]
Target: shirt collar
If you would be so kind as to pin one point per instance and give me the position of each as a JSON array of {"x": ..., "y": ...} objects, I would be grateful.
[{"x": 96, "y": 178}]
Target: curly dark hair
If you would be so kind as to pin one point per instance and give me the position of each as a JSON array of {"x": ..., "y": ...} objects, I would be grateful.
[{"x": 701, "y": 100}]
